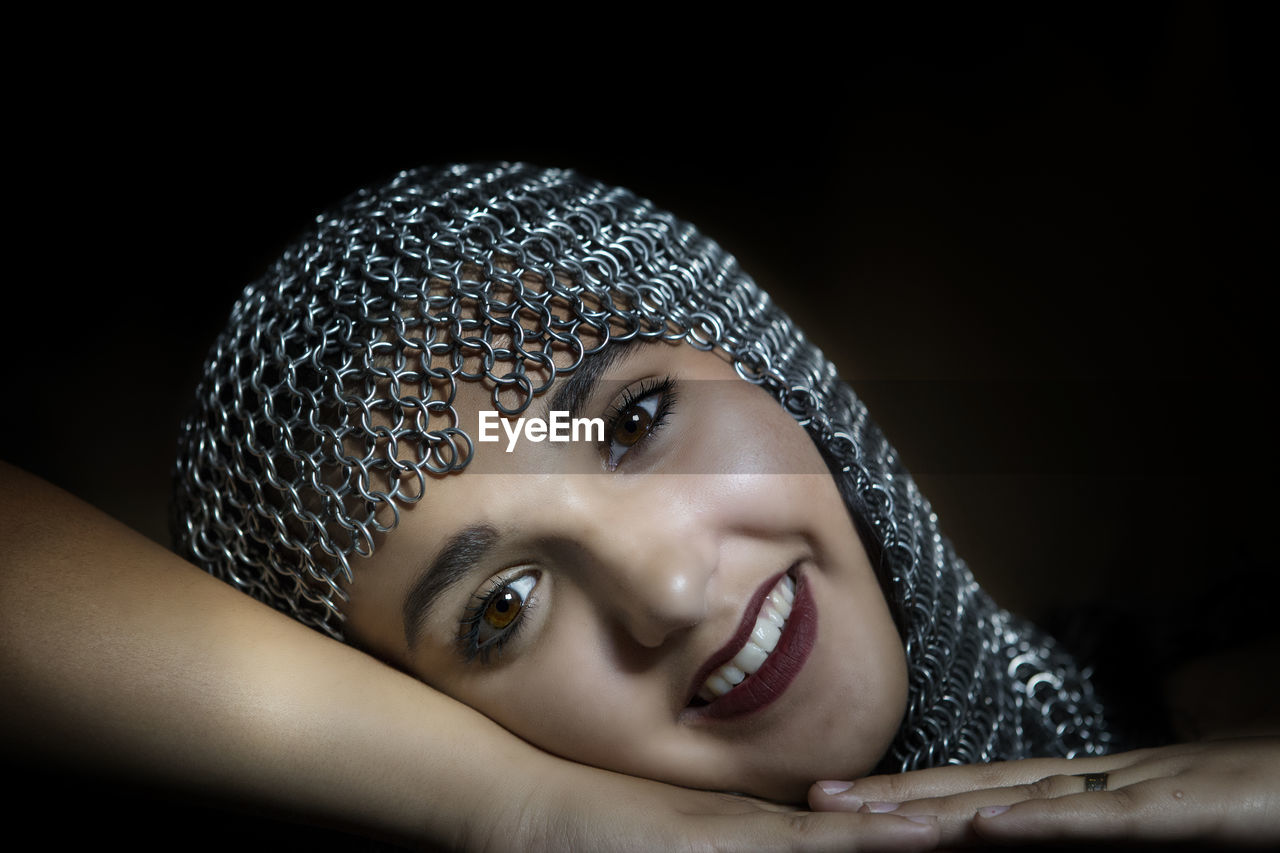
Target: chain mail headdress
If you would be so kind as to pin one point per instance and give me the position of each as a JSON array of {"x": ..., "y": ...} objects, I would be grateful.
[{"x": 329, "y": 398}]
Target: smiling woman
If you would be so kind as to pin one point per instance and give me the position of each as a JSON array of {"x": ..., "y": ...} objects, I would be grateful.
[
  {"x": 605, "y": 600},
  {"x": 736, "y": 585},
  {"x": 689, "y": 603}
]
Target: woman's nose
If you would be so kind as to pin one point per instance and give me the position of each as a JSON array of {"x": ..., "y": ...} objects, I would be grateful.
[
  {"x": 650, "y": 567},
  {"x": 659, "y": 593}
]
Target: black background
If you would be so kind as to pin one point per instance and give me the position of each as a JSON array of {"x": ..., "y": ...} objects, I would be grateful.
[{"x": 1039, "y": 247}]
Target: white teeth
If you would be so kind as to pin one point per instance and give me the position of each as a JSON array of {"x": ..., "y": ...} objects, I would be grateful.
[
  {"x": 716, "y": 686},
  {"x": 732, "y": 674},
  {"x": 780, "y": 602},
  {"x": 751, "y": 658},
  {"x": 762, "y": 641},
  {"x": 765, "y": 634}
]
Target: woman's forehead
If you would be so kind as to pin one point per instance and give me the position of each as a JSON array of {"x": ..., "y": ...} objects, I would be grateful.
[{"x": 598, "y": 377}]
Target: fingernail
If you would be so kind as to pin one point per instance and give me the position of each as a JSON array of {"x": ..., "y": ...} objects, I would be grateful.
[
  {"x": 879, "y": 808},
  {"x": 832, "y": 788},
  {"x": 992, "y": 811},
  {"x": 922, "y": 818}
]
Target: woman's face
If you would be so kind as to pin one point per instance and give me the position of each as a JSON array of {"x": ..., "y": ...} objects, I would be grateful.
[{"x": 587, "y": 596}]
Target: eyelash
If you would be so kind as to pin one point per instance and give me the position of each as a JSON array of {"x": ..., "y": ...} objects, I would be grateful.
[
  {"x": 664, "y": 389},
  {"x": 469, "y": 627}
]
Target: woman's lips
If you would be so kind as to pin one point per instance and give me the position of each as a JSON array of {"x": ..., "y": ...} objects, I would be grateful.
[
  {"x": 779, "y": 667},
  {"x": 760, "y": 643}
]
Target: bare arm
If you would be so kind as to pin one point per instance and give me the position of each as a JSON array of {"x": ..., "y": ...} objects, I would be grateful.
[
  {"x": 118, "y": 652},
  {"x": 121, "y": 654}
]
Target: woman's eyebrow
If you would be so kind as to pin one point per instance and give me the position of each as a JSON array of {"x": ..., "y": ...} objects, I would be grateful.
[
  {"x": 574, "y": 392},
  {"x": 455, "y": 560}
]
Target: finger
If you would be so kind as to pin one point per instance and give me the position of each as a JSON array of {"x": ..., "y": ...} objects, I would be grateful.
[
  {"x": 1130, "y": 814},
  {"x": 823, "y": 832},
  {"x": 945, "y": 781},
  {"x": 1048, "y": 788},
  {"x": 1158, "y": 810},
  {"x": 955, "y": 813}
]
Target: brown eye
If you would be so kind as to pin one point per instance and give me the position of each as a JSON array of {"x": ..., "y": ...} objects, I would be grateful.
[
  {"x": 503, "y": 608},
  {"x": 500, "y": 613},
  {"x": 632, "y": 426},
  {"x": 637, "y": 418}
]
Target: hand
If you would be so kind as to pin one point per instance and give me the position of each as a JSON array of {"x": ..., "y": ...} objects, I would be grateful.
[
  {"x": 580, "y": 808},
  {"x": 1217, "y": 791}
]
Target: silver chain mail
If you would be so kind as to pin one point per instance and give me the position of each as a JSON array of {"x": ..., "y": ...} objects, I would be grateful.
[{"x": 328, "y": 399}]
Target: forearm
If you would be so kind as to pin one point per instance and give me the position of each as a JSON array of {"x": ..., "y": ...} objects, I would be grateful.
[{"x": 122, "y": 655}]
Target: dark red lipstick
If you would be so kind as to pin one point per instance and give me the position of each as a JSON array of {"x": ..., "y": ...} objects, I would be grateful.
[{"x": 780, "y": 668}]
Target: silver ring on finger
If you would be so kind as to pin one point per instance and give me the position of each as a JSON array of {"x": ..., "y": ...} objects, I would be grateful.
[{"x": 1094, "y": 781}]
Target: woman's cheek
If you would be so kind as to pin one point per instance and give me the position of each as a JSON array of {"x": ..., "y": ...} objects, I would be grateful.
[{"x": 567, "y": 697}]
